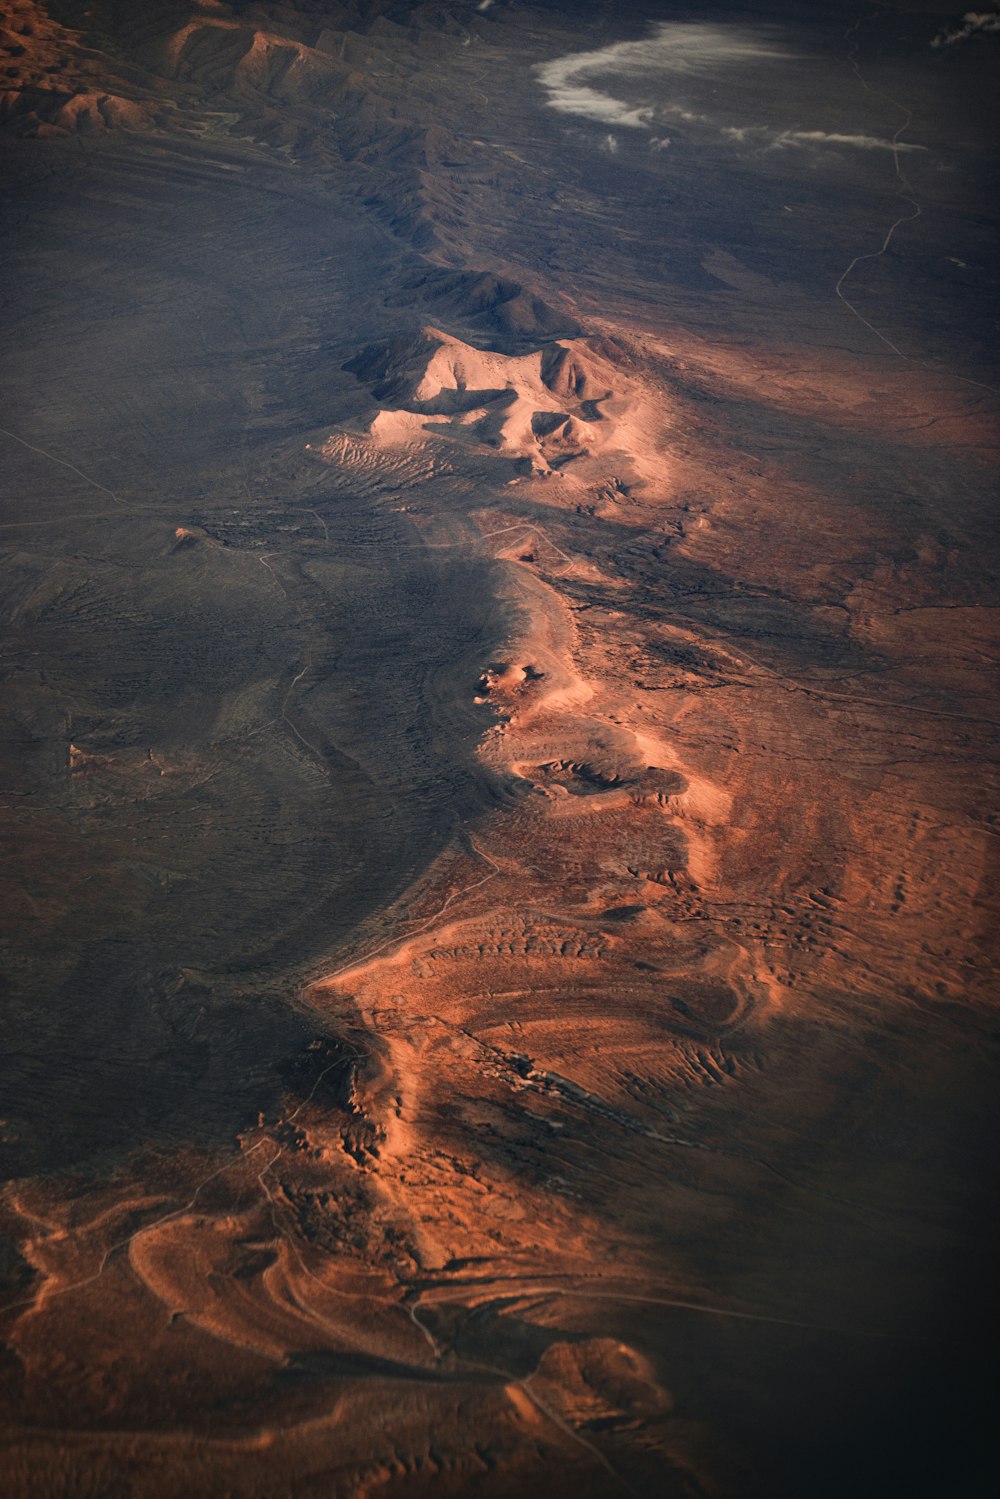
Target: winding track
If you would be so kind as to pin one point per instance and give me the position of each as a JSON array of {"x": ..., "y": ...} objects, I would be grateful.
[{"x": 905, "y": 191}]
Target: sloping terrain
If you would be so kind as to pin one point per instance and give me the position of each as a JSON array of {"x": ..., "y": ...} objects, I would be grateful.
[{"x": 499, "y": 760}]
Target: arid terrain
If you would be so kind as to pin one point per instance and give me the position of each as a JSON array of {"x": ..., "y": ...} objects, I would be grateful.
[{"x": 499, "y": 750}]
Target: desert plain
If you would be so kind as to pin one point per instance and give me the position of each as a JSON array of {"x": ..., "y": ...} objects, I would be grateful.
[{"x": 499, "y": 748}]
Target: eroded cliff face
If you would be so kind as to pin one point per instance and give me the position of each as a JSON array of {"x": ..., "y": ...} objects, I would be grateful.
[{"x": 499, "y": 761}]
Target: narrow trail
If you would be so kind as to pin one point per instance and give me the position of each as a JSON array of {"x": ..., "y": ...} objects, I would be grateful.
[
  {"x": 62, "y": 462},
  {"x": 398, "y": 938},
  {"x": 706, "y": 1309},
  {"x": 575, "y": 1436},
  {"x": 527, "y": 529},
  {"x": 326, "y": 528},
  {"x": 59, "y": 520},
  {"x": 524, "y": 1385},
  {"x": 262, "y": 559},
  {"x": 904, "y": 191},
  {"x": 310, "y": 1313},
  {"x": 284, "y": 714},
  {"x": 45, "y": 1295}
]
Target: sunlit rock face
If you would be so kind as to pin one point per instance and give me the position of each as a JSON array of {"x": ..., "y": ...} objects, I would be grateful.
[{"x": 500, "y": 589}]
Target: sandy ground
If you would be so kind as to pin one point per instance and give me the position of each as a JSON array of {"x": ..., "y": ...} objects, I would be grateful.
[{"x": 499, "y": 878}]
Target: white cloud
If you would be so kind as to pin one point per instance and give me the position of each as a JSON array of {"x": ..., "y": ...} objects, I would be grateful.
[
  {"x": 689, "y": 116},
  {"x": 684, "y": 49},
  {"x": 673, "y": 48},
  {"x": 576, "y": 99},
  {"x": 974, "y": 23},
  {"x": 832, "y": 138},
  {"x": 761, "y": 136}
]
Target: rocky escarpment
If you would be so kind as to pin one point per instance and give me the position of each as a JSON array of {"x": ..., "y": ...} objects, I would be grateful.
[{"x": 340, "y": 91}]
